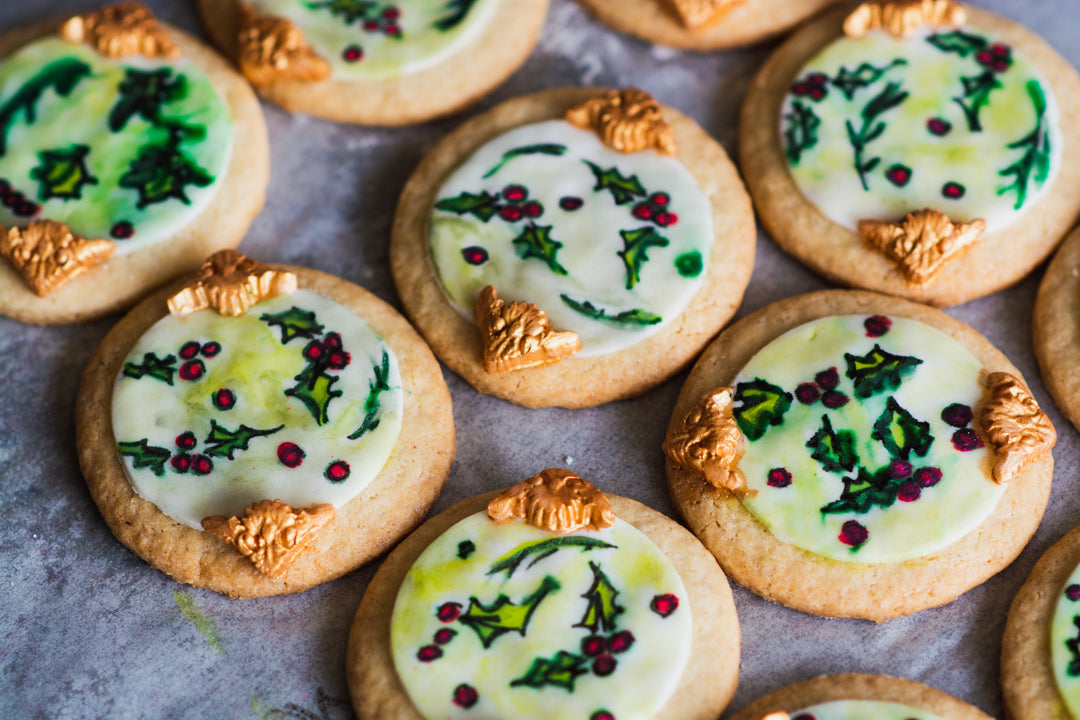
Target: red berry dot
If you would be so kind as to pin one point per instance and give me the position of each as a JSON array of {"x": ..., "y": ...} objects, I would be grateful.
[
  {"x": 510, "y": 213},
  {"x": 620, "y": 642},
  {"x": 533, "y": 209},
  {"x": 663, "y": 218},
  {"x": 211, "y": 349},
  {"x": 966, "y": 440},
  {"x": 592, "y": 646},
  {"x": 332, "y": 341},
  {"x": 953, "y": 190},
  {"x": 313, "y": 350},
  {"x": 444, "y": 635},
  {"x": 201, "y": 465},
  {"x": 338, "y": 360},
  {"x": 570, "y": 203},
  {"x": 11, "y": 198},
  {"x": 779, "y": 478},
  {"x": 1073, "y": 592},
  {"x": 122, "y": 230},
  {"x": 181, "y": 462},
  {"x": 290, "y": 454},
  {"x": 799, "y": 88},
  {"x": 664, "y": 605},
  {"x": 853, "y": 533},
  {"x": 900, "y": 468},
  {"x": 26, "y": 208},
  {"x": 514, "y": 193},
  {"x": 5, "y": 187},
  {"x": 938, "y": 126},
  {"x": 1000, "y": 65},
  {"x": 807, "y": 393},
  {"x": 392, "y": 30},
  {"x": 642, "y": 211},
  {"x": 927, "y": 476},
  {"x": 429, "y": 653},
  {"x": 337, "y": 471},
  {"x": 189, "y": 350},
  {"x": 186, "y": 441},
  {"x": 601, "y": 715},
  {"x": 957, "y": 415},
  {"x": 984, "y": 57},
  {"x": 660, "y": 199},
  {"x": 371, "y": 25},
  {"x": 804, "y": 716},
  {"x": 465, "y": 696},
  {"x": 449, "y": 612},
  {"x": 192, "y": 370},
  {"x": 475, "y": 255},
  {"x": 877, "y": 325},
  {"x": 353, "y": 53},
  {"x": 908, "y": 491},
  {"x": 834, "y": 400},
  {"x": 999, "y": 49},
  {"x": 817, "y": 92},
  {"x": 827, "y": 379},
  {"x": 604, "y": 665},
  {"x": 898, "y": 175},
  {"x": 224, "y": 399},
  {"x": 391, "y": 13}
]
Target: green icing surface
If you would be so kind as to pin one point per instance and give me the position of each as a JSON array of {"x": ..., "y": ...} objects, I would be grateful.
[
  {"x": 1065, "y": 644},
  {"x": 289, "y": 425},
  {"x": 863, "y": 710},
  {"x": 820, "y": 473},
  {"x": 108, "y": 146},
  {"x": 610, "y": 245},
  {"x": 512, "y": 621},
  {"x": 375, "y": 39},
  {"x": 877, "y": 127}
]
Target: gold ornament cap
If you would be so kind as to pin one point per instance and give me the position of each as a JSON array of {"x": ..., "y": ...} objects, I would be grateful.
[
  {"x": 47, "y": 254},
  {"x": 900, "y": 18},
  {"x": 271, "y": 534},
  {"x": 922, "y": 242},
  {"x": 708, "y": 442},
  {"x": 700, "y": 14},
  {"x": 556, "y": 500},
  {"x": 518, "y": 335},
  {"x": 272, "y": 48},
  {"x": 628, "y": 121},
  {"x": 1015, "y": 425},
  {"x": 121, "y": 30},
  {"x": 230, "y": 283}
]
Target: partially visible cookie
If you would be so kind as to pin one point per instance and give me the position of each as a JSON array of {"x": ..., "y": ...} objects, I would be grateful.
[
  {"x": 376, "y": 63},
  {"x": 118, "y": 170},
  {"x": 849, "y": 454},
  {"x": 595, "y": 213},
  {"x": 279, "y": 428},
  {"x": 704, "y": 24},
  {"x": 1055, "y": 327},
  {"x": 867, "y": 697},
  {"x": 556, "y": 596},
  {"x": 939, "y": 165}
]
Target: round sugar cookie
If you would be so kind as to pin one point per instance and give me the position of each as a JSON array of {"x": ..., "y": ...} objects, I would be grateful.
[
  {"x": 391, "y": 62},
  {"x": 323, "y": 398},
  {"x": 866, "y": 456},
  {"x": 632, "y": 620},
  {"x": 1039, "y": 650},
  {"x": 643, "y": 256},
  {"x": 940, "y": 167},
  {"x": 1055, "y": 327},
  {"x": 157, "y": 162},
  {"x": 734, "y": 24},
  {"x": 867, "y": 697}
]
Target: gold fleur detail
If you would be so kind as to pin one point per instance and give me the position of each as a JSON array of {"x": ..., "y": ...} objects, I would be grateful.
[
  {"x": 708, "y": 441},
  {"x": 902, "y": 17},
  {"x": 627, "y": 121},
  {"x": 518, "y": 335},
  {"x": 272, "y": 48},
  {"x": 47, "y": 254},
  {"x": 1016, "y": 426},
  {"x": 696, "y": 14},
  {"x": 121, "y": 30},
  {"x": 922, "y": 242},
  {"x": 271, "y": 534},
  {"x": 555, "y": 500},
  {"x": 230, "y": 283}
]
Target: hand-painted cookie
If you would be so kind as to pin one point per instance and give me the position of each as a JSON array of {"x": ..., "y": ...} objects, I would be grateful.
[
  {"x": 937, "y": 160},
  {"x": 555, "y": 596},
  {"x": 704, "y": 24},
  {"x": 375, "y": 62},
  {"x": 1055, "y": 328},
  {"x": 849, "y": 454},
  {"x": 602, "y": 215},
  {"x": 1040, "y": 651},
  {"x": 277, "y": 429},
  {"x": 859, "y": 697},
  {"x": 128, "y": 152}
]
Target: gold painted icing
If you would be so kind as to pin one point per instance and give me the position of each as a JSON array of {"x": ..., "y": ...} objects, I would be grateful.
[
  {"x": 627, "y": 121},
  {"x": 708, "y": 441},
  {"x": 272, "y": 48},
  {"x": 1016, "y": 426},
  {"x": 121, "y": 30},
  {"x": 697, "y": 14},
  {"x": 271, "y": 534},
  {"x": 902, "y": 17},
  {"x": 922, "y": 242},
  {"x": 518, "y": 335},
  {"x": 230, "y": 282},
  {"x": 47, "y": 254},
  {"x": 555, "y": 500}
]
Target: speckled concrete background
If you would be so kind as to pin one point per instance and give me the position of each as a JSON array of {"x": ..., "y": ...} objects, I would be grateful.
[{"x": 89, "y": 630}]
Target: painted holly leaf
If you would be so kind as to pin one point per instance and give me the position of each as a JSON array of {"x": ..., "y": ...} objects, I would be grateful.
[
  {"x": 865, "y": 491},
  {"x": 162, "y": 368},
  {"x": 959, "y": 42},
  {"x": 635, "y": 246},
  {"x": 535, "y": 242},
  {"x": 483, "y": 206},
  {"x": 762, "y": 404},
  {"x": 901, "y": 433},
  {"x": 878, "y": 370},
  {"x": 294, "y": 323},
  {"x": 872, "y": 128},
  {"x": 315, "y": 390},
  {"x": 492, "y": 620},
  {"x": 602, "y": 611},
  {"x": 1034, "y": 164},
  {"x": 348, "y": 10},
  {"x": 623, "y": 189},
  {"x": 540, "y": 549},
  {"x": 1073, "y": 646},
  {"x": 143, "y": 93},
  {"x": 223, "y": 442},
  {"x": 539, "y": 149},
  {"x": 976, "y": 96},
  {"x": 800, "y": 131},
  {"x": 849, "y": 81},
  {"x": 637, "y": 316},
  {"x": 834, "y": 449},
  {"x": 376, "y": 386},
  {"x": 160, "y": 172},
  {"x": 455, "y": 10},
  {"x": 63, "y": 173},
  {"x": 562, "y": 670},
  {"x": 145, "y": 455},
  {"x": 62, "y": 76}
]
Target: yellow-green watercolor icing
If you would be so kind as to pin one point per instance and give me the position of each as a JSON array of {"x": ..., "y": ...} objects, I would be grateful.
[
  {"x": 376, "y": 39},
  {"x": 928, "y": 136},
  {"x": 940, "y": 514},
  {"x": 864, "y": 710},
  {"x": 72, "y": 109},
  {"x": 458, "y": 568},
  {"x": 257, "y": 368},
  {"x": 641, "y": 270},
  {"x": 1065, "y": 629}
]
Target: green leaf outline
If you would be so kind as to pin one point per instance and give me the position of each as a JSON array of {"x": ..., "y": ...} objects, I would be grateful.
[
  {"x": 490, "y": 621},
  {"x": 162, "y": 368},
  {"x": 540, "y": 549},
  {"x": 915, "y": 434},
  {"x": 294, "y": 323},
  {"x": 553, "y": 149},
  {"x": 637, "y": 316},
  {"x": 145, "y": 455},
  {"x": 535, "y": 242},
  {"x": 834, "y": 449},
  {"x": 636, "y": 244},
  {"x": 878, "y": 371},
  {"x": 223, "y": 442},
  {"x": 61, "y": 75},
  {"x": 623, "y": 189},
  {"x": 762, "y": 405},
  {"x": 602, "y": 611}
]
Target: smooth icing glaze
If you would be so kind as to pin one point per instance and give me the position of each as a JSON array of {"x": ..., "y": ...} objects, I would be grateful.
[
  {"x": 298, "y": 400},
  {"x": 1065, "y": 643},
  {"x": 863, "y": 710},
  {"x": 884, "y": 403},
  {"x": 509, "y": 621},
  {"x": 375, "y": 39},
  {"x": 129, "y": 150},
  {"x": 609, "y": 245},
  {"x": 876, "y": 127}
]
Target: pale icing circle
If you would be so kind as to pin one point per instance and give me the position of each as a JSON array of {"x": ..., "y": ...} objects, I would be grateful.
[{"x": 1065, "y": 630}]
